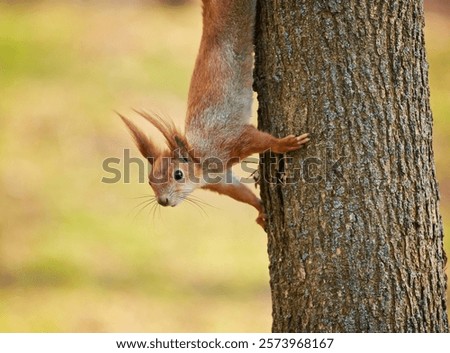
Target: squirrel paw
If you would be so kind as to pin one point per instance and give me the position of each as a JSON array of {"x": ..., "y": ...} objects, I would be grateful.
[
  {"x": 261, "y": 220},
  {"x": 290, "y": 143}
]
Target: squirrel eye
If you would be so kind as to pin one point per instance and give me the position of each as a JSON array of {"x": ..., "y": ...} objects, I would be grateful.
[{"x": 178, "y": 175}]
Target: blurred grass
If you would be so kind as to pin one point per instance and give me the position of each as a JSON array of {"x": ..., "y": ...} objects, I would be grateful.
[{"x": 74, "y": 256}]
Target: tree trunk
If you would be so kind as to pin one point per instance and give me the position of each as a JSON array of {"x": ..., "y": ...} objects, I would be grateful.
[{"x": 354, "y": 231}]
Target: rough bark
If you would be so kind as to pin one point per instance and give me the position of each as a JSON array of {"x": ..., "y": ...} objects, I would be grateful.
[{"x": 354, "y": 231}]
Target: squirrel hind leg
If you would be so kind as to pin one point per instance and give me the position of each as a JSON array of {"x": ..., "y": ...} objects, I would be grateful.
[
  {"x": 253, "y": 140},
  {"x": 290, "y": 143}
]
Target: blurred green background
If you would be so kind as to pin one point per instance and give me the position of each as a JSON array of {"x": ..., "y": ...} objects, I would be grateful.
[{"x": 75, "y": 253}]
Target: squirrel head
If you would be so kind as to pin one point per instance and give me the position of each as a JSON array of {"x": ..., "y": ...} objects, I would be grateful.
[{"x": 175, "y": 172}]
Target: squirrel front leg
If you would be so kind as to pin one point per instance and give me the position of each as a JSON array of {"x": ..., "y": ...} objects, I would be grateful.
[
  {"x": 239, "y": 192},
  {"x": 253, "y": 140}
]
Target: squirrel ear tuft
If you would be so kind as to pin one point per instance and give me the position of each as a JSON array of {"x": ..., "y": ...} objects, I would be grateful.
[
  {"x": 176, "y": 141},
  {"x": 143, "y": 143},
  {"x": 184, "y": 151},
  {"x": 180, "y": 143}
]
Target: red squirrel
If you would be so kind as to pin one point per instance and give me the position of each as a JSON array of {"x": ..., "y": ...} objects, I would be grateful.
[{"x": 217, "y": 125}]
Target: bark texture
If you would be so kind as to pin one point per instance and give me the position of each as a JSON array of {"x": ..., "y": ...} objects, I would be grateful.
[{"x": 354, "y": 231}]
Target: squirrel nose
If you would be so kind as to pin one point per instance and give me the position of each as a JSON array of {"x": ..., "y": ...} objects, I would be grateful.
[{"x": 163, "y": 201}]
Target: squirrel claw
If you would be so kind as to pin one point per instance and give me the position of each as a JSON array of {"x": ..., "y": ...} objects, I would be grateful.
[
  {"x": 302, "y": 139},
  {"x": 291, "y": 143},
  {"x": 261, "y": 220}
]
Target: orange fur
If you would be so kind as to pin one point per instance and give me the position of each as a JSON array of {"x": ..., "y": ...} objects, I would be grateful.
[
  {"x": 145, "y": 146},
  {"x": 241, "y": 193},
  {"x": 217, "y": 119}
]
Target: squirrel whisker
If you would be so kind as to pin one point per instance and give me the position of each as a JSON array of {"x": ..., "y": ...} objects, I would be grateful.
[
  {"x": 144, "y": 197},
  {"x": 193, "y": 202},
  {"x": 144, "y": 205}
]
